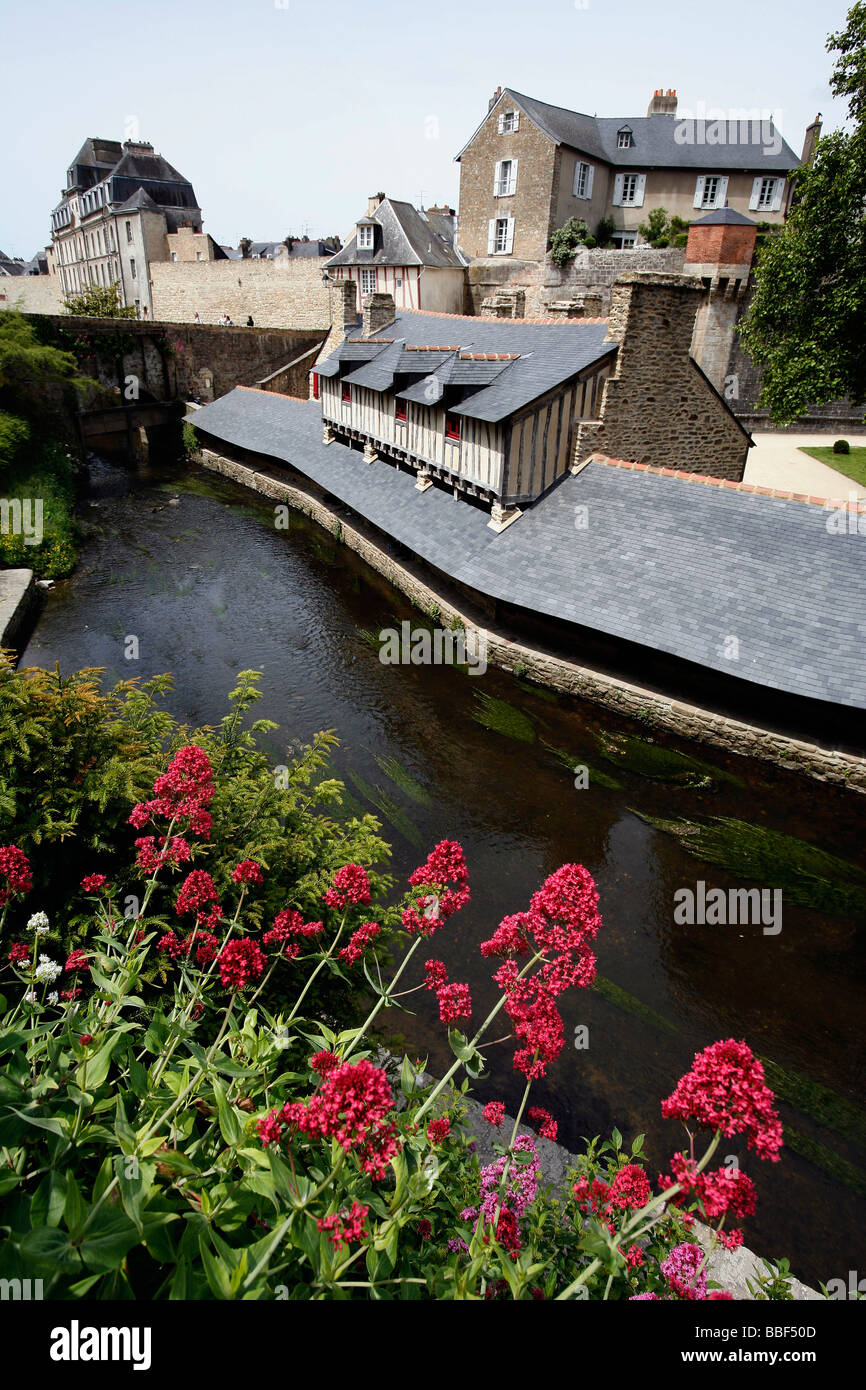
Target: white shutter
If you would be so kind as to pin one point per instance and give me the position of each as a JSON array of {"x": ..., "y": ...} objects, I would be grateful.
[
  {"x": 491, "y": 236},
  {"x": 512, "y": 182},
  {"x": 699, "y": 191},
  {"x": 516, "y": 125},
  {"x": 777, "y": 195},
  {"x": 617, "y": 191},
  {"x": 639, "y": 190},
  {"x": 590, "y": 170},
  {"x": 722, "y": 192},
  {"x": 497, "y": 174},
  {"x": 756, "y": 193},
  {"x": 509, "y": 236},
  {"x": 501, "y": 122}
]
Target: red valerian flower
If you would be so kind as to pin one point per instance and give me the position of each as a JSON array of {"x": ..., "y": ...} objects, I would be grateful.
[
  {"x": 15, "y": 868},
  {"x": 424, "y": 1228},
  {"x": 633, "y": 1257},
  {"x": 719, "y": 1296},
  {"x": 731, "y": 1240},
  {"x": 351, "y": 885},
  {"x": 85, "y": 1038},
  {"x": 592, "y": 1198},
  {"x": 345, "y": 1226},
  {"x": 351, "y": 1106},
  {"x": 240, "y": 961},
  {"x": 183, "y": 790},
  {"x": 359, "y": 941},
  {"x": 70, "y": 994},
  {"x": 206, "y": 947},
  {"x": 454, "y": 1002},
  {"x": 248, "y": 871},
  {"x": 324, "y": 1062},
  {"x": 153, "y": 852},
  {"x": 494, "y": 1113},
  {"x": 290, "y": 924},
  {"x": 439, "y": 1130},
  {"x": 435, "y": 974},
  {"x": 198, "y": 890},
  {"x": 535, "y": 1019},
  {"x": 511, "y": 937},
  {"x": 269, "y": 1129},
  {"x": 563, "y": 912},
  {"x": 444, "y": 879},
  {"x": 77, "y": 961},
  {"x": 172, "y": 946},
  {"x": 718, "y": 1192},
  {"x": 93, "y": 882},
  {"x": 630, "y": 1188},
  {"x": 725, "y": 1090},
  {"x": 543, "y": 1122},
  {"x": 508, "y": 1233},
  {"x": 19, "y": 952},
  {"x": 685, "y": 1272}
]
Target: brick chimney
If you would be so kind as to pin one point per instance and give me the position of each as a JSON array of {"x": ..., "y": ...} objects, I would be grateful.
[
  {"x": 343, "y": 314},
  {"x": 377, "y": 311},
  {"x": 664, "y": 103},
  {"x": 373, "y": 202},
  {"x": 493, "y": 100}
]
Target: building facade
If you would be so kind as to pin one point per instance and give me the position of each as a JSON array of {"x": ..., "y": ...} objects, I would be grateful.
[
  {"x": 119, "y": 207},
  {"x": 529, "y": 167},
  {"x": 410, "y": 254}
]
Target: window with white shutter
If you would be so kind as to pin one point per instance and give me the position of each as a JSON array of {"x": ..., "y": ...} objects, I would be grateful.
[
  {"x": 509, "y": 235},
  {"x": 617, "y": 190},
  {"x": 509, "y": 121},
  {"x": 640, "y": 190},
  {"x": 505, "y": 178},
  {"x": 699, "y": 192},
  {"x": 583, "y": 173},
  {"x": 491, "y": 236},
  {"x": 756, "y": 193},
  {"x": 766, "y": 194}
]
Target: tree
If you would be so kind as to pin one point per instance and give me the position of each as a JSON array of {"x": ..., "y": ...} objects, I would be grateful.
[
  {"x": 99, "y": 301},
  {"x": 566, "y": 240},
  {"x": 807, "y": 322},
  {"x": 28, "y": 367}
]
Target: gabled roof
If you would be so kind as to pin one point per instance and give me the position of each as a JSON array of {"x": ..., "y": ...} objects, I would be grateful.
[
  {"x": 724, "y": 217},
  {"x": 140, "y": 201},
  {"x": 405, "y": 236},
  {"x": 518, "y": 363},
  {"x": 659, "y": 141}
]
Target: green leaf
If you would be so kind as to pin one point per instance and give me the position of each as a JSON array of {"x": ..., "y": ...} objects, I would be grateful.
[
  {"x": 49, "y": 1248},
  {"x": 75, "y": 1208},
  {"x": 216, "y": 1273},
  {"x": 60, "y": 1127},
  {"x": 230, "y": 1127},
  {"x": 49, "y": 1200},
  {"x": 111, "y": 1236},
  {"x": 94, "y": 1070}
]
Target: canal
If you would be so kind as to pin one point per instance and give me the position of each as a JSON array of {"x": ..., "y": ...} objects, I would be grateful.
[{"x": 193, "y": 566}]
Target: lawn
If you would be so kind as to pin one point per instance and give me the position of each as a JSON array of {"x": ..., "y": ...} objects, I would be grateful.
[{"x": 853, "y": 465}]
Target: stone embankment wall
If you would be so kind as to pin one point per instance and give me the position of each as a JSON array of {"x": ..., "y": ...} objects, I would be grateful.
[
  {"x": 414, "y": 580},
  {"x": 18, "y": 600},
  {"x": 591, "y": 274},
  {"x": 31, "y": 294},
  {"x": 286, "y": 293}
]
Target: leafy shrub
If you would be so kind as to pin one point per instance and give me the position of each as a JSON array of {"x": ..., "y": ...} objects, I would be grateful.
[
  {"x": 566, "y": 239},
  {"x": 604, "y": 232},
  {"x": 43, "y": 474},
  {"x": 191, "y": 442},
  {"x": 841, "y": 447}
]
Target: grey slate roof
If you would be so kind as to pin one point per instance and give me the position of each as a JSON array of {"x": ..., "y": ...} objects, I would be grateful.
[
  {"x": 548, "y": 354},
  {"x": 725, "y": 217},
  {"x": 664, "y": 562},
  {"x": 404, "y": 236},
  {"x": 748, "y": 145}
]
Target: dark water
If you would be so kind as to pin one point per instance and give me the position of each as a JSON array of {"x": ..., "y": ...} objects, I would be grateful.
[{"x": 210, "y": 587}]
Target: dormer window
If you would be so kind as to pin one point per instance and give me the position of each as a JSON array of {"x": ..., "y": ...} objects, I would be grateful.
[
  {"x": 365, "y": 236},
  {"x": 624, "y": 138}
]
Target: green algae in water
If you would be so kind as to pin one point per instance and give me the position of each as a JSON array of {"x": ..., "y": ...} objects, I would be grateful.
[
  {"x": 389, "y": 808},
  {"x": 371, "y": 639},
  {"x": 539, "y": 691},
  {"x": 402, "y": 778},
  {"x": 838, "y": 1167},
  {"x": 623, "y": 1000},
  {"x": 570, "y": 761},
  {"x": 808, "y": 876},
  {"x": 502, "y": 718},
  {"x": 816, "y": 1100},
  {"x": 659, "y": 764}
]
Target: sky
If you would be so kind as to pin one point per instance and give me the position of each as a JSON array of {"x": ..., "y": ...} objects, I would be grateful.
[{"x": 286, "y": 114}]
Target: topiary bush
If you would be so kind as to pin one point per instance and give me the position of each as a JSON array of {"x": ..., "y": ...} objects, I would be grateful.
[{"x": 841, "y": 447}]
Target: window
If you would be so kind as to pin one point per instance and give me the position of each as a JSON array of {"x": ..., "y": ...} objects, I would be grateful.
[
  {"x": 769, "y": 198},
  {"x": 346, "y": 393},
  {"x": 628, "y": 190},
  {"x": 711, "y": 191},
  {"x": 400, "y": 412},
  {"x": 509, "y": 121},
  {"x": 505, "y": 178},
  {"x": 174, "y": 255},
  {"x": 452, "y": 427},
  {"x": 624, "y": 241},
  {"x": 132, "y": 268},
  {"x": 198, "y": 255},
  {"x": 500, "y": 236},
  {"x": 582, "y": 180},
  {"x": 129, "y": 231},
  {"x": 365, "y": 237},
  {"x": 368, "y": 281},
  {"x": 624, "y": 138}
]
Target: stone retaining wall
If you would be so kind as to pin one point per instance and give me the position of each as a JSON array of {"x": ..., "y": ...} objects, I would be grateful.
[
  {"x": 413, "y": 579},
  {"x": 18, "y": 599},
  {"x": 285, "y": 293},
  {"x": 591, "y": 274}
]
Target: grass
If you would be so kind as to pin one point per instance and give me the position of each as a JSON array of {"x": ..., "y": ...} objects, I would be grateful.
[{"x": 851, "y": 465}]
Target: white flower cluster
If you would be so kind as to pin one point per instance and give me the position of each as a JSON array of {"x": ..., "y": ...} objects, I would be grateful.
[
  {"x": 38, "y": 923},
  {"x": 48, "y": 969}
]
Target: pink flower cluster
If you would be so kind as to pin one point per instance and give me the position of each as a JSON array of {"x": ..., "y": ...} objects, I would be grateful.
[
  {"x": 359, "y": 941},
  {"x": 154, "y": 851},
  {"x": 454, "y": 1000},
  {"x": 352, "y": 1106},
  {"x": 15, "y": 868},
  {"x": 629, "y": 1189},
  {"x": 494, "y": 1113},
  {"x": 543, "y": 1122},
  {"x": 351, "y": 886},
  {"x": 444, "y": 879},
  {"x": 240, "y": 961},
  {"x": 345, "y": 1226},
  {"x": 184, "y": 791},
  {"x": 248, "y": 871},
  {"x": 439, "y": 1130},
  {"x": 725, "y": 1090},
  {"x": 287, "y": 932},
  {"x": 94, "y": 882},
  {"x": 521, "y": 1185},
  {"x": 198, "y": 895},
  {"x": 684, "y": 1274}
]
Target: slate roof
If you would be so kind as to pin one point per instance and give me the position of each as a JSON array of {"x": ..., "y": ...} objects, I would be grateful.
[
  {"x": 547, "y": 355},
  {"x": 725, "y": 217},
  {"x": 655, "y": 144},
  {"x": 664, "y": 563},
  {"x": 404, "y": 236},
  {"x": 139, "y": 200}
]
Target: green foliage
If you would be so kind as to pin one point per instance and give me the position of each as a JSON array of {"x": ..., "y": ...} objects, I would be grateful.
[
  {"x": 807, "y": 321},
  {"x": 41, "y": 471},
  {"x": 191, "y": 441},
  {"x": 772, "y": 1284},
  {"x": 99, "y": 301},
  {"x": 28, "y": 367},
  {"x": 604, "y": 232},
  {"x": 566, "y": 240},
  {"x": 851, "y": 464},
  {"x": 841, "y": 446},
  {"x": 657, "y": 228}
]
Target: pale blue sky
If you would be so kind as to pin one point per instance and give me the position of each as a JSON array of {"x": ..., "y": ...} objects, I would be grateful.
[{"x": 285, "y": 119}]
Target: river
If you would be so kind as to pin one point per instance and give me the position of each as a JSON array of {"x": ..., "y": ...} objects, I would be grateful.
[{"x": 209, "y": 587}]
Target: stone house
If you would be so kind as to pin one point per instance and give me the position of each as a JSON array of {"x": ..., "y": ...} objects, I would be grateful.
[
  {"x": 119, "y": 206},
  {"x": 530, "y": 166},
  {"x": 499, "y": 411},
  {"x": 406, "y": 252}
]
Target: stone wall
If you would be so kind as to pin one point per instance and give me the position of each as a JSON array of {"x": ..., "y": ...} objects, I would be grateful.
[
  {"x": 531, "y": 203},
  {"x": 286, "y": 293},
  {"x": 592, "y": 273},
  {"x": 657, "y": 408},
  {"x": 31, "y": 294},
  {"x": 414, "y": 580}
]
